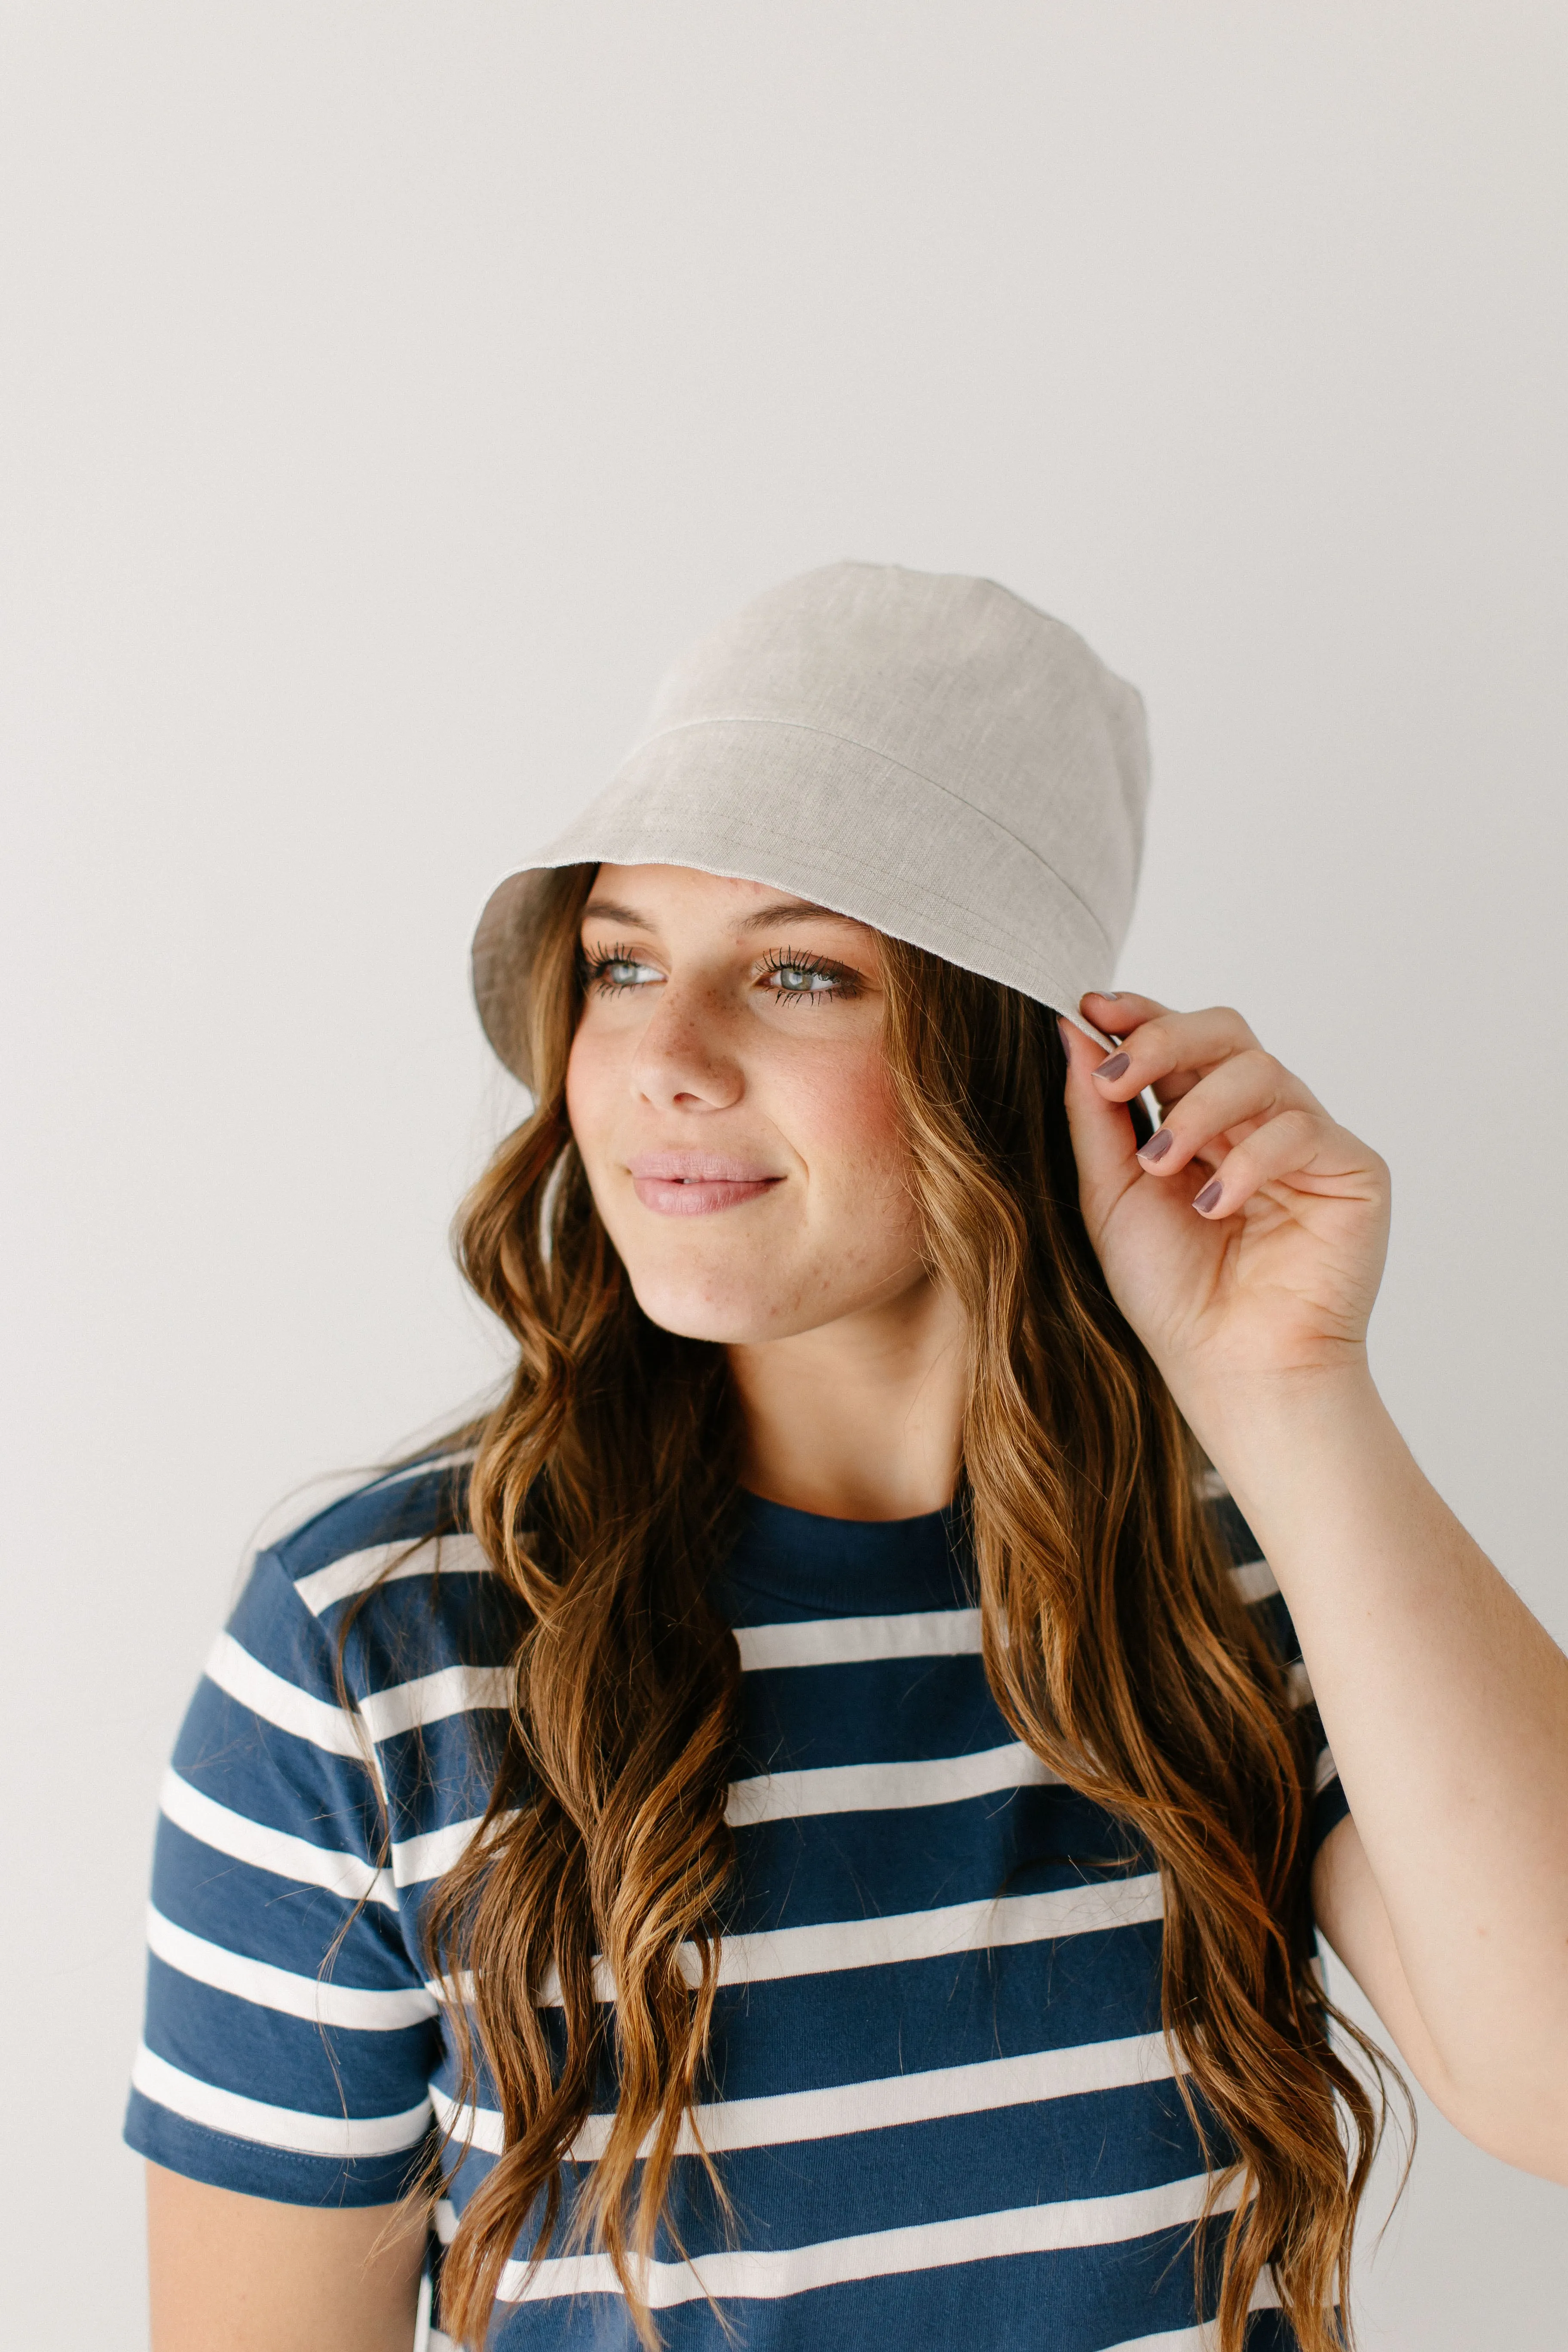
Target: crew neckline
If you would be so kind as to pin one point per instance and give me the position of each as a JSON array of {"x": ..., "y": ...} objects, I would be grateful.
[{"x": 821, "y": 1567}]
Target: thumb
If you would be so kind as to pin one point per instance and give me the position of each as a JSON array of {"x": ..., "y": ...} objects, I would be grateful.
[{"x": 1103, "y": 1142}]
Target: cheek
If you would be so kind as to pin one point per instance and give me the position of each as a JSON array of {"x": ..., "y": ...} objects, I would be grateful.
[
  {"x": 591, "y": 1088},
  {"x": 849, "y": 1135}
]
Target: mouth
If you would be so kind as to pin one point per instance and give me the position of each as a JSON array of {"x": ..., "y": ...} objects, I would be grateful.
[{"x": 696, "y": 1185}]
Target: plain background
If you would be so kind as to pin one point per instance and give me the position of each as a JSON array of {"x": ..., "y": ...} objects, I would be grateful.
[{"x": 389, "y": 392}]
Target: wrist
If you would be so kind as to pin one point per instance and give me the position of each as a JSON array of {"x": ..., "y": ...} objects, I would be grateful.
[
  {"x": 1294, "y": 1408},
  {"x": 1303, "y": 1456}
]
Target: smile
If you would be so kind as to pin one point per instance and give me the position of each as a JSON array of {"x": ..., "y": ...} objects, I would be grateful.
[{"x": 694, "y": 1184}]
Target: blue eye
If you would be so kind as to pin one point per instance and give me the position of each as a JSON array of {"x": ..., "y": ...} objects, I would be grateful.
[
  {"x": 793, "y": 978},
  {"x": 613, "y": 971}
]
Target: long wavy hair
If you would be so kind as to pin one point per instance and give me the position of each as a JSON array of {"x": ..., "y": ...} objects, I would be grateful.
[{"x": 604, "y": 1490}]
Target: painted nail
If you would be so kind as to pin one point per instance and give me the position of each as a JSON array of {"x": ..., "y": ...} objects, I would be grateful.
[
  {"x": 1157, "y": 1145},
  {"x": 1110, "y": 996},
  {"x": 1209, "y": 1197},
  {"x": 1113, "y": 1066}
]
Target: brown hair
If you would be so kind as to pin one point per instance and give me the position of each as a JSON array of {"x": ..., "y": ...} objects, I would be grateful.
[{"x": 1114, "y": 1642}]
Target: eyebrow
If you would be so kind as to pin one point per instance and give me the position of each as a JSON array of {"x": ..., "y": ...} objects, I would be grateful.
[
  {"x": 794, "y": 910},
  {"x": 779, "y": 911}
]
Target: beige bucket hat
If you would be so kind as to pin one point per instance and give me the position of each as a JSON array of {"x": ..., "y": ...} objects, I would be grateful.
[{"x": 926, "y": 753}]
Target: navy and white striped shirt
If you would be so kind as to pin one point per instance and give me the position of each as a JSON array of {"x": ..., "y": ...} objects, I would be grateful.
[{"x": 941, "y": 2104}]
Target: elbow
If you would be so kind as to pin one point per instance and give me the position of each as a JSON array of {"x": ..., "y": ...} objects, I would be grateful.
[{"x": 1522, "y": 2123}]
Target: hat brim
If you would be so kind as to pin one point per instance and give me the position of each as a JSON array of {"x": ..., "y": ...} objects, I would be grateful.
[{"x": 825, "y": 819}]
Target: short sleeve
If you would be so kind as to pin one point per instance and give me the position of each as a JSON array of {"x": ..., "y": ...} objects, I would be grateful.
[
  {"x": 1254, "y": 1580},
  {"x": 289, "y": 2039}
]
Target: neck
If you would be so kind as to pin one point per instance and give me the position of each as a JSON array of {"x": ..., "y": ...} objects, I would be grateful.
[{"x": 859, "y": 1418}]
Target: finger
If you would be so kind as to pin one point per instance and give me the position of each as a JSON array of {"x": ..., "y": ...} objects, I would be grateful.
[
  {"x": 1103, "y": 1142},
  {"x": 1169, "y": 1090},
  {"x": 1303, "y": 1148},
  {"x": 1118, "y": 1012},
  {"x": 1240, "y": 1092},
  {"x": 1167, "y": 1043}
]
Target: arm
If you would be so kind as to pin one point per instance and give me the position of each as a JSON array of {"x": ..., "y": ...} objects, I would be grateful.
[
  {"x": 1446, "y": 1707},
  {"x": 1446, "y": 1704},
  {"x": 281, "y": 2092},
  {"x": 233, "y": 2273}
]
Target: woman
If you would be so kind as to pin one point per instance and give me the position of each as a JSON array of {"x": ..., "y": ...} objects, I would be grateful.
[{"x": 805, "y": 1825}]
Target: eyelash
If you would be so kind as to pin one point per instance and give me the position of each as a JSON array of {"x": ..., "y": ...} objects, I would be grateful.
[
  {"x": 815, "y": 966},
  {"x": 593, "y": 965}
]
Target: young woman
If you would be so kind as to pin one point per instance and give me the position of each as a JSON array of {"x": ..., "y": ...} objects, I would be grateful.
[{"x": 803, "y": 1827}]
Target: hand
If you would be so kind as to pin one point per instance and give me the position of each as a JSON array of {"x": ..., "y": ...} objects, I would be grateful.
[{"x": 1251, "y": 1242}]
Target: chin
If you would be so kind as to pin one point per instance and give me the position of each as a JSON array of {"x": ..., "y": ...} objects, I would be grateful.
[
  {"x": 729, "y": 1321},
  {"x": 734, "y": 1306}
]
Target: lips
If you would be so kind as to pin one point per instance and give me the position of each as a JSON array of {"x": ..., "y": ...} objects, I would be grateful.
[{"x": 696, "y": 1185}]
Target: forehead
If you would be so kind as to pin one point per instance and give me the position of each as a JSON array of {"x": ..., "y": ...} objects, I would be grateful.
[{"x": 657, "y": 898}]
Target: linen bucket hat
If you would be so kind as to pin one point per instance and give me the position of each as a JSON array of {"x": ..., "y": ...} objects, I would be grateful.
[{"x": 925, "y": 752}]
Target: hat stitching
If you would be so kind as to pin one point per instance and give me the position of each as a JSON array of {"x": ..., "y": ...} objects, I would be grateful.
[
  {"x": 1000, "y": 936},
  {"x": 803, "y": 727}
]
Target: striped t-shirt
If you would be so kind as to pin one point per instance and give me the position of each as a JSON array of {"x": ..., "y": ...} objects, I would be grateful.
[{"x": 940, "y": 2101}]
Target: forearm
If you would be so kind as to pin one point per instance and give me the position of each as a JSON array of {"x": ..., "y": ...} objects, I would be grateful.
[{"x": 1446, "y": 1707}]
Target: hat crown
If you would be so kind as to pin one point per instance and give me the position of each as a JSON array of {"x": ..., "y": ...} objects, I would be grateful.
[
  {"x": 924, "y": 752},
  {"x": 956, "y": 680}
]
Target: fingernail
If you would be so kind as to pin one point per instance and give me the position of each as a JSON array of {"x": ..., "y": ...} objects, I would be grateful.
[
  {"x": 1209, "y": 1197},
  {"x": 1066, "y": 1028},
  {"x": 1113, "y": 1066},
  {"x": 1110, "y": 996},
  {"x": 1157, "y": 1145}
]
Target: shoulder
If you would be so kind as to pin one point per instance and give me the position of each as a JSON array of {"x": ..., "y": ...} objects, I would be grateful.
[
  {"x": 410, "y": 1517},
  {"x": 386, "y": 1581}
]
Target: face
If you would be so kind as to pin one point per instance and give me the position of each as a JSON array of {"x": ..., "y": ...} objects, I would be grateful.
[{"x": 728, "y": 1093}]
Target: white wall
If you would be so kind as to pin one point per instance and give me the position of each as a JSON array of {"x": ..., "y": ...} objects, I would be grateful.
[{"x": 389, "y": 390}]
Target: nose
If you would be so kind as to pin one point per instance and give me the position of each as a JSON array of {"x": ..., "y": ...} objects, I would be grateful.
[{"x": 685, "y": 1059}]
